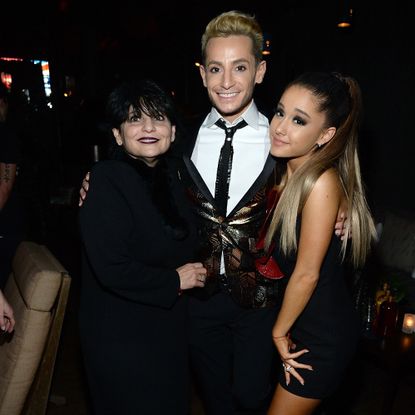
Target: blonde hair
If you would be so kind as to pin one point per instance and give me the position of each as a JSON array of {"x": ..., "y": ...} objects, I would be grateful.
[
  {"x": 234, "y": 23},
  {"x": 340, "y": 99}
]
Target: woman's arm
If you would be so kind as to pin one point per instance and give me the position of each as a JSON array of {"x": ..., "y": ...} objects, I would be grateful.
[{"x": 317, "y": 221}]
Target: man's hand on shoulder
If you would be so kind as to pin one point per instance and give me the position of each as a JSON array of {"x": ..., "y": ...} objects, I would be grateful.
[
  {"x": 340, "y": 228},
  {"x": 84, "y": 189}
]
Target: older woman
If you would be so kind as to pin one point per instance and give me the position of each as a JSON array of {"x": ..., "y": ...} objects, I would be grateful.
[{"x": 138, "y": 257}]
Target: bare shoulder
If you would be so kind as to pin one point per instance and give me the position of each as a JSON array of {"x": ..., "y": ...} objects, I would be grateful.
[
  {"x": 328, "y": 184},
  {"x": 318, "y": 218},
  {"x": 326, "y": 194}
]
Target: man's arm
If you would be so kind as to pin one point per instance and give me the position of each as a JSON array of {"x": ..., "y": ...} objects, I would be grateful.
[{"x": 7, "y": 179}]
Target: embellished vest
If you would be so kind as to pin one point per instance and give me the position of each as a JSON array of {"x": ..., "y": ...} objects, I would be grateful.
[{"x": 236, "y": 236}]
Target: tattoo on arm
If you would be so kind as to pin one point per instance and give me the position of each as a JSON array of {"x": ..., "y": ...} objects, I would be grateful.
[
  {"x": 6, "y": 175},
  {"x": 7, "y": 179}
]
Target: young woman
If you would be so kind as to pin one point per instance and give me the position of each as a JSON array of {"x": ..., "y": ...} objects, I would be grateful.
[{"x": 314, "y": 131}]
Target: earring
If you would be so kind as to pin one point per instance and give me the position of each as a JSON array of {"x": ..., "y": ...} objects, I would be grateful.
[{"x": 318, "y": 146}]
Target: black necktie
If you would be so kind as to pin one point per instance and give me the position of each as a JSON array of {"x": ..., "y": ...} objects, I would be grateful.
[{"x": 223, "y": 174}]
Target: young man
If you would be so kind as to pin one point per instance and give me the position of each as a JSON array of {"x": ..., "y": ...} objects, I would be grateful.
[{"x": 231, "y": 321}]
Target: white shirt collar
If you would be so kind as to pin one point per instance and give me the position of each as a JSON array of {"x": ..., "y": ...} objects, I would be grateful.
[{"x": 251, "y": 116}]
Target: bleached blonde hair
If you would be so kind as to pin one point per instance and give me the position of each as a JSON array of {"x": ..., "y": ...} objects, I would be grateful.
[{"x": 234, "y": 23}]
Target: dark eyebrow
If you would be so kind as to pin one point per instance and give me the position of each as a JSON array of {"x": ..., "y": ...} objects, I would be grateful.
[
  {"x": 281, "y": 105},
  {"x": 235, "y": 62},
  {"x": 213, "y": 63},
  {"x": 242, "y": 60},
  {"x": 303, "y": 113}
]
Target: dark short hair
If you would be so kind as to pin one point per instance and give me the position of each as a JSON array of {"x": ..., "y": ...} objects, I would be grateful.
[{"x": 144, "y": 96}]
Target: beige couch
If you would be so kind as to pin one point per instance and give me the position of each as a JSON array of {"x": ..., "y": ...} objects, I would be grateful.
[{"x": 37, "y": 289}]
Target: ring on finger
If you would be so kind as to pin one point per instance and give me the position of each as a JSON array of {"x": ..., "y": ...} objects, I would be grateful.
[{"x": 288, "y": 368}]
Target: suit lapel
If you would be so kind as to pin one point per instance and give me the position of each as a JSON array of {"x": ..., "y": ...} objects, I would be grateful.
[
  {"x": 191, "y": 135},
  {"x": 258, "y": 183},
  {"x": 197, "y": 179}
]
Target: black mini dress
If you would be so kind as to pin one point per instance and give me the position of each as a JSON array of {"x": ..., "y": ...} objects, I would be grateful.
[{"x": 328, "y": 327}]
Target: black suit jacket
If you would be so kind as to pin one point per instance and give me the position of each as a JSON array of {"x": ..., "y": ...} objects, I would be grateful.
[{"x": 186, "y": 149}]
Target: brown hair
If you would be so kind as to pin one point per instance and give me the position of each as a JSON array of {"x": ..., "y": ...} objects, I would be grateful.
[{"x": 339, "y": 98}]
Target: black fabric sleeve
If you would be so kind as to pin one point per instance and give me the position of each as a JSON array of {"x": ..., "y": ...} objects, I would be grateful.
[{"x": 106, "y": 225}]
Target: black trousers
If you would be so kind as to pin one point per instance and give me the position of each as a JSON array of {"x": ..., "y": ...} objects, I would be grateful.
[{"x": 232, "y": 355}]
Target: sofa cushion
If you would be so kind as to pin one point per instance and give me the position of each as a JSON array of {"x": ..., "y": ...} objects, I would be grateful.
[
  {"x": 22, "y": 352},
  {"x": 396, "y": 247},
  {"x": 31, "y": 289},
  {"x": 37, "y": 274}
]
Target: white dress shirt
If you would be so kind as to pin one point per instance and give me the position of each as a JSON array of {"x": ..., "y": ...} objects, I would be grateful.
[{"x": 251, "y": 146}]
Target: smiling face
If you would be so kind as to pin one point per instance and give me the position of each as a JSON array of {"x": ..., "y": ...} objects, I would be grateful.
[
  {"x": 230, "y": 74},
  {"x": 298, "y": 126},
  {"x": 144, "y": 137}
]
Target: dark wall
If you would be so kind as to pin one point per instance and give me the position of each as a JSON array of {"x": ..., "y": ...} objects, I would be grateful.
[
  {"x": 378, "y": 52},
  {"x": 100, "y": 43}
]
